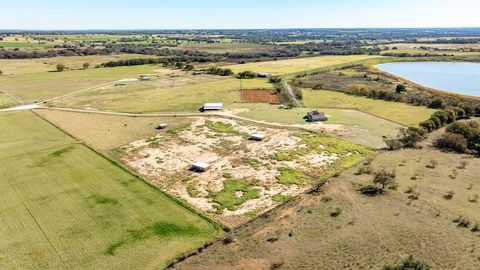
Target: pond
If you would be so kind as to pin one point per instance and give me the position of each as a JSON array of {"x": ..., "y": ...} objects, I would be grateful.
[{"x": 455, "y": 77}]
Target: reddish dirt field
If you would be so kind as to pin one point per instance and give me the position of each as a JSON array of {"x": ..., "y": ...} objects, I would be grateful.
[{"x": 260, "y": 96}]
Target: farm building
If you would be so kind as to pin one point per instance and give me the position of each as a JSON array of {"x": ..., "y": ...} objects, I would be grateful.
[
  {"x": 316, "y": 116},
  {"x": 257, "y": 137},
  {"x": 162, "y": 126},
  {"x": 144, "y": 78},
  {"x": 200, "y": 167},
  {"x": 212, "y": 107},
  {"x": 264, "y": 75}
]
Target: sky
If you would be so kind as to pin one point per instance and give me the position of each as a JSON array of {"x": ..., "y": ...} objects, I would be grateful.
[{"x": 236, "y": 14}]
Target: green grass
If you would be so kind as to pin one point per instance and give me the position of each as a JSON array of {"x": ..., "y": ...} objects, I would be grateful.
[
  {"x": 281, "y": 198},
  {"x": 6, "y": 101},
  {"x": 361, "y": 127},
  {"x": 401, "y": 113},
  {"x": 64, "y": 206},
  {"x": 282, "y": 67},
  {"x": 227, "y": 198},
  {"x": 185, "y": 98},
  {"x": 220, "y": 127},
  {"x": 22, "y": 45},
  {"x": 290, "y": 176}
]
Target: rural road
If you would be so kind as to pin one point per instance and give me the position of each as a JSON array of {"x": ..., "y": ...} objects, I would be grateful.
[{"x": 292, "y": 94}]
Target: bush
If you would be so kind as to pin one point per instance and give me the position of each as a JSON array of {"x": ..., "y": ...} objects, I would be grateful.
[
  {"x": 409, "y": 264},
  {"x": 247, "y": 75},
  {"x": 60, "y": 67},
  {"x": 393, "y": 144},
  {"x": 450, "y": 141},
  {"x": 436, "y": 103}
]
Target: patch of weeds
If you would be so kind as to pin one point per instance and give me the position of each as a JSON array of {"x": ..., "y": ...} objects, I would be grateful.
[
  {"x": 192, "y": 191},
  {"x": 462, "y": 222},
  {"x": 332, "y": 145},
  {"x": 160, "y": 160},
  {"x": 463, "y": 165},
  {"x": 476, "y": 228},
  {"x": 255, "y": 182},
  {"x": 335, "y": 212},
  {"x": 159, "y": 229},
  {"x": 417, "y": 175},
  {"x": 289, "y": 176},
  {"x": 367, "y": 169},
  {"x": 409, "y": 263},
  {"x": 281, "y": 198},
  {"x": 283, "y": 155},
  {"x": 227, "y": 175},
  {"x": 252, "y": 214},
  {"x": 473, "y": 198},
  {"x": 448, "y": 195},
  {"x": 252, "y": 162},
  {"x": 432, "y": 164},
  {"x": 175, "y": 131},
  {"x": 234, "y": 193},
  {"x": 370, "y": 190},
  {"x": 61, "y": 152},
  {"x": 221, "y": 127},
  {"x": 412, "y": 192},
  {"x": 453, "y": 175},
  {"x": 99, "y": 200}
]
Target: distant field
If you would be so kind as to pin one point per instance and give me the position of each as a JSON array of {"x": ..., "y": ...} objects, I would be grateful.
[
  {"x": 397, "y": 112},
  {"x": 22, "y": 66},
  {"x": 282, "y": 67},
  {"x": 107, "y": 132},
  {"x": 361, "y": 128},
  {"x": 225, "y": 47},
  {"x": 63, "y": 206},
  {"x": 32, "y": 87},
  {"x": 144, "y": 98},
  {"x": 19, "y": 44}
]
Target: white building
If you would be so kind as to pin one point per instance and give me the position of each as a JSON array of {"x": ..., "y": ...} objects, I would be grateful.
[
  {"x": 200, "y": 167},
  {"x": 212, "y": 107},
  {"x": 257, "y": 137}
]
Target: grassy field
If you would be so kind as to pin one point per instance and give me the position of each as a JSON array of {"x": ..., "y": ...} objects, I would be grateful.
[
  {"x": 32, "y": 87},
  {"x": 22, "y": 66},
  {"x": 225, "y": 47},
  {"x": 145, "y": 98},
  {"x": 282, "y": 67},
  {"x": 19, "y": 44},
  {"x": 63, "y": 206},
  {"x": 343, "y": 229},
  {"x": 108, "y": 132},
  {"x": 361, "y": 128},
  {"x": 6, "y": 101},
  {"x": 397, "y": 112}
]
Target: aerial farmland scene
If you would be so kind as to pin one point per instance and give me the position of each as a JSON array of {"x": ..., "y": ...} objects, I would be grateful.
[{"x": 240, "y": 135}]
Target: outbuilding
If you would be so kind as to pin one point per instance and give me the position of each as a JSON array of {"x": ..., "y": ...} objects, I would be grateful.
[
  {"x": 200, "y": 167},
  {"x": 264, "y": 75},
  {"x": 144, "y": 78},
  {"x": 212, "y": 107},
  {"x": 162, "y": 126},
  {"x": 257, "y": 137},
  {"x": 316, "y": 116}
]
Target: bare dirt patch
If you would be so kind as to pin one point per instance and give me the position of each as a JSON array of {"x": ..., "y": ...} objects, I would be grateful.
[
  {"x": 244, "y": 175},
  {"x": 260, "y": 96}
]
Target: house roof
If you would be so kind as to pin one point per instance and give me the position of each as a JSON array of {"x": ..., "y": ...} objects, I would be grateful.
[
  {"x": 260, "y": 136},
  {"x": 316, "y": 113},
  {"x": 200, "y": 164}
]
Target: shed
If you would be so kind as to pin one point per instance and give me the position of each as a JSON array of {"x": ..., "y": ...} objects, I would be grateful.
[
  {"x": 264, "y": 75},
  {"x": 316, "y": 116},
  {"x": 144, "y": 78},
  {"x": 257, "y": 137},
  {"x": 162, "y": 126},
  {"x": 212, "y": 107},
  {"x": 200, "y": 167}
]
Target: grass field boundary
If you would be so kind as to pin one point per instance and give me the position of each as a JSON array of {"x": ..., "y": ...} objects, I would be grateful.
[{"x": 215, "y": 224}]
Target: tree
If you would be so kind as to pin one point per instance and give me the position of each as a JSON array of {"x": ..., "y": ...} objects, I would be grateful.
[
  {"x": 188, "y": 67},
  {"x": 86, "y": 65},
  {"x": 400, "y": 88},
  {"x": 411, "y": 136},
  {"x": 428, "y": 125},
  {"x": 436, "y": 103},
  {"x": 60, "y": 67},
  {"x": 384, "y": 178},
  {"x": 451, "y": 141}
]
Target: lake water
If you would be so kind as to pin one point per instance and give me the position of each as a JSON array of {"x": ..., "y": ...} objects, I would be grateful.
[{"x": 461, "y": 78}]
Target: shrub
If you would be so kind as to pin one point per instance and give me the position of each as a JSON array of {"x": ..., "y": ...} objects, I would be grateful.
[
  {"x": 400, "y": 88},
  {"x": 428, "y": 125},
  {"x": 393, "y": 144},
  {"x": 436, "y": 103},
  {"x": 247, "y": 75},
  {"x": 409, "y": 264},
  {"x": 449, "y": 195},
  {"x": 335, "y": 212},
  {"x": 450, "y": 141},
  {"x": 60, "y": 67},
  {"x": 384, "y": 178}
]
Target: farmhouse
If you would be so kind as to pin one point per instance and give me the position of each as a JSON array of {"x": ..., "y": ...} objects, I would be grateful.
[
  {"x": 316, "y": 116},
  {"x": 200, "y": 167},
  {"x": 257, "y": 137},
  {"x": 212, "y": 107}
]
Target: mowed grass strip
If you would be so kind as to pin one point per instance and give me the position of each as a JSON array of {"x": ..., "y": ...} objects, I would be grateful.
[
  {"x": 401, "y": 113},
  {"x": 64, "y": 206},
  {"x": 282, "y": 67}
]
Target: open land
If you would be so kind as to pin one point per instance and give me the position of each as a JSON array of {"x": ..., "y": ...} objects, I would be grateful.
[{"x": 65, "y": 206}]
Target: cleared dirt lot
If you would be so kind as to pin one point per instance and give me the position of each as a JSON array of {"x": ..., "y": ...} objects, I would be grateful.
[
  {"x": 246, "y": 177},
  {"x": 260, "y": 96}
]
